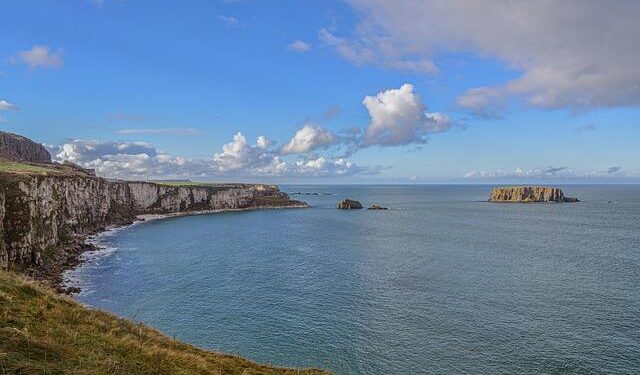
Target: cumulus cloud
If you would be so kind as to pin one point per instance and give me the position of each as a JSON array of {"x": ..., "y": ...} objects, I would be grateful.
[
  {"x": 398, "y": 117},
  {"x": 571, "y": 54},
  {"x": 6, "y": 106},
  {"x": 39, "y": 56},
  {"x": 299, "y": 46},
  {"x": 79, "y": 151},
  {"x": 263, "y": 142},
  {"x": 127, "y": 159},
  {"x": 239, "y": 155},
  {"x": 308, "y": 138},
  {"x": 238, "y": 159},
  {"x": 322, "y": 167}
]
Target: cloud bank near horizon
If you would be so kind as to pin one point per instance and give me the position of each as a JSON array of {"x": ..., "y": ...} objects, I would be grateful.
[{"x": 552, "y": 173}]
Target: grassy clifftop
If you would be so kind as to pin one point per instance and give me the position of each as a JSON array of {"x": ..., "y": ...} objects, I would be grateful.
[{"x": 44, "y": 333}]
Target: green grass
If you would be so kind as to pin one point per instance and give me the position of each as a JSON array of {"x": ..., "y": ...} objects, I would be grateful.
[
  {"x": 45, "y": 333},
  {"x": 16, "y": 167}
]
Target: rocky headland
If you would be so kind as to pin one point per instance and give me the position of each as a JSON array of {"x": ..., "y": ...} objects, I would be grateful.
[
  {"x": 47, "y": 209},
  {"x": 529, "y": 194}
]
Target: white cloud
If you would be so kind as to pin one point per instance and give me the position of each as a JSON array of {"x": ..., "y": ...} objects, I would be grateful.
[
  {"x": 398, "y": 117},
  {"x": 308, "y": 138},
  {"x": 238, "y": 155},
  {"x": 79, "y": 151},
  {"x": 162, "y": 131},
  {"x": 39, "y": 56},
  {"x": 238, "y": 159},
  {"x": 229, "y": 21},
  {"x": 263, "y": 142},
  {"x": 299, "y": 46},
  {"x": 571, "y": 54},
  {"x": 6, "y": 106},
  {"x": 127, "y": 159}
]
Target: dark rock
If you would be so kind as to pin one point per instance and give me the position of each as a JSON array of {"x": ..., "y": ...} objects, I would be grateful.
[
  {"x": 17, "y": 147},
  {"x": 348, "y": 204},
  {"x": 376, "y": 207}
]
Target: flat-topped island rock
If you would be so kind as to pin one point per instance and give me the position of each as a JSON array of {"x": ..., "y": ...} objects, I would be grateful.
[{"x": 529, "y": 194}]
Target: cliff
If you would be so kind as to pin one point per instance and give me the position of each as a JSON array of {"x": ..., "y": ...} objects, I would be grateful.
[
  {"x": 17, "y": 147},
  {"x": 46, "y": 210},
  {"x": 529, "y": 194}
]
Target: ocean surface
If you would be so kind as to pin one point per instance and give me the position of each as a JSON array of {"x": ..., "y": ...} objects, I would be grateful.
[{"x": 442, "y": 283}]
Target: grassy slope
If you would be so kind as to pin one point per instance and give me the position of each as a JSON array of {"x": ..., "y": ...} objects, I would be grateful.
[
  {"x": 44, "y": 333},
  {"x": 16, "y": 167}
]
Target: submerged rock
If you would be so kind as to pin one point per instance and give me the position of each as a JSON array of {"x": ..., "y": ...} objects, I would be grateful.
[
  {"x": 376, "y": 207},
  {"x": 529, "y": 194},
  {"x": 348, "y": 204}
]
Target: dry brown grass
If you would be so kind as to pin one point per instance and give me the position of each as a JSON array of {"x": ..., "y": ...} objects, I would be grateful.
[{"x": 45, "y": 333}]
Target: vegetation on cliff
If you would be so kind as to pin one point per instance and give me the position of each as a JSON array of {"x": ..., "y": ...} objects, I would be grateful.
[{"x": 44, "y": 333}]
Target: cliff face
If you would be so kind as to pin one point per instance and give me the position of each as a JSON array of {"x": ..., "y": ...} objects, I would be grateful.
[
  {"x": 39, "y": 213},
  {"x": 529, "y": 194},
  {"x": 17, "y": 147}
]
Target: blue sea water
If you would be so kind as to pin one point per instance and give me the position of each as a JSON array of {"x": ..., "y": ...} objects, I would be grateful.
[{"x": 442, "y": 283}]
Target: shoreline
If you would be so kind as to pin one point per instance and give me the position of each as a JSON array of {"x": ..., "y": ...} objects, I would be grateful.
[{"x": 85, "y": 243}]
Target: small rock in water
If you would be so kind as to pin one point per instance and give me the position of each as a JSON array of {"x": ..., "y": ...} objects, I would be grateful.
[
  {"x": 376, "y": 207},
  {"x": 348, "y": 204}
]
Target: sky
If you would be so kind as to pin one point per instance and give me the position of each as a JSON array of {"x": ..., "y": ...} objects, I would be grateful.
[{"x": 353, "y": 91}]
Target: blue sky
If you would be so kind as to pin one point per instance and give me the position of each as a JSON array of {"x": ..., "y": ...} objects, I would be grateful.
[{"x": 531, "y": 92}]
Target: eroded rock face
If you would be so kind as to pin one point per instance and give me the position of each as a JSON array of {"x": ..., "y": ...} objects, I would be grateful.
[
  {"x": 529, "y": 194},
  {"x": 17, "y": 147},
  {"x": 39, "y": 213},
  {"x": 348, "y": 204}
]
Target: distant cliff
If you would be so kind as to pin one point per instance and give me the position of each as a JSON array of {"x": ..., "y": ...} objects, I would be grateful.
[
  {"x": 528, "y": 194},
  {"x": 17, "y": 147},
  {"x": 41, "y": 212},
  {"x": 46, "y": 209}
]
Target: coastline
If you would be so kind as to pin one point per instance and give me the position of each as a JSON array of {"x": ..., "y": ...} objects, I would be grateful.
[{"x": 62, "y": 278}]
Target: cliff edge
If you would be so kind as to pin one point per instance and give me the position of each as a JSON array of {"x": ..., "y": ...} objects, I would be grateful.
[
  {"x": 48, "y": 209},
  {"x": 528, "y": 194}
]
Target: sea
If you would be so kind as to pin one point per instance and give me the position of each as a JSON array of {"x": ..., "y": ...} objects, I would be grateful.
[{"x": 443, "y": 282}]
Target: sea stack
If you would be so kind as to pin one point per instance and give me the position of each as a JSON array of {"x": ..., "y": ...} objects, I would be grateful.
[
  {"x": 529, "y": 194},
  {"x": 348, "y": 204}
]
